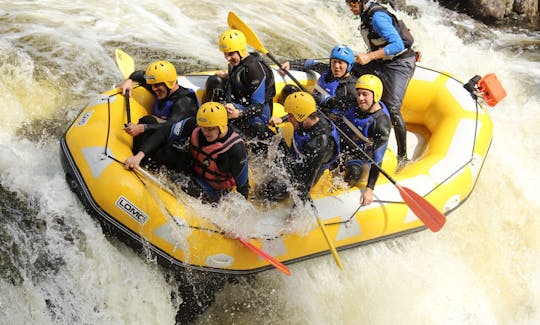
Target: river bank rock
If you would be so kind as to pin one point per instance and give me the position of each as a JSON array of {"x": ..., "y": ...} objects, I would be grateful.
[{"x": 509, "y": 13}]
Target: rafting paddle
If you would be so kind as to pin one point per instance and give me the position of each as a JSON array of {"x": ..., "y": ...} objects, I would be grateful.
[
  {"x": 126, "y": 65},
  {"x": 425, "y": 211},
  {"x": 125, "y": 62},
  {"x": 236, "y": 23},
  {"x": 277, "y": 264}
]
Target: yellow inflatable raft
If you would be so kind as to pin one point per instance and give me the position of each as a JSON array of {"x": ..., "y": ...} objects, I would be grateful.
[{"x": 449, "y": 136}]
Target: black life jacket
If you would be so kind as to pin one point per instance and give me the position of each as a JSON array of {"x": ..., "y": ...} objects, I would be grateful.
[{"x": 374, "y": 39}]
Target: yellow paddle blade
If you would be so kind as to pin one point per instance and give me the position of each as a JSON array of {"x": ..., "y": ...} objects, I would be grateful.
[
  {"x": 125, "y": 62},
  {"x": 236, "y": 23}
]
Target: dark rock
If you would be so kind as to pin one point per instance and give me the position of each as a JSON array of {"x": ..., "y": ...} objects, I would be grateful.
[{"x": 502, "y": 13}]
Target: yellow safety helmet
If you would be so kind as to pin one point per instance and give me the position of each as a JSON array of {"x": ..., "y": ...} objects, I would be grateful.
[
  {"x": 300, "y": 105},
  {"x": 233, "y": 40},
  {"x": 161, "y": 71},
  {"x": 373, "y": 83},
  {"x": 212, "y": 114}
]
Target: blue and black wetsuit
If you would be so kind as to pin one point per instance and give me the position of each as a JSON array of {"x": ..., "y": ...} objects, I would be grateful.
[
  {"x": 181, "y": 104},
  {"x": 374, "y": 127},
  {"x": 251, "y": 88},
  {"x": 333, "y": 95}
]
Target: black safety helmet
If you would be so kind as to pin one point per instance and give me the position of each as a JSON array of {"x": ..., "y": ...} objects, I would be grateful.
[{"x": 286, "y": 91}]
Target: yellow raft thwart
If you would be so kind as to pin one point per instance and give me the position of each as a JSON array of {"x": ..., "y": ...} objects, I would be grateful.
[{"x": 449, "y": 135}]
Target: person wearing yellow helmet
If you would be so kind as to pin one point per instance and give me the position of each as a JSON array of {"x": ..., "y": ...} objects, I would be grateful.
[
  {"x": 216, "y": 160},
  {"x": 247, "y": 89},
  {"x": 315, "y": 147},
  {"x": 368, "y": 124},
  {"x": 390, "y": 56},
  {"x": 173, "y": 102}
]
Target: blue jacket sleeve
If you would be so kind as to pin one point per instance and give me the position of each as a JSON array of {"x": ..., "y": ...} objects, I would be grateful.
[{"x": 382, "y": 25}]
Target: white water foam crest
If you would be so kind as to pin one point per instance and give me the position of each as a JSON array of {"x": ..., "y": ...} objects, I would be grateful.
[{"x": 99, "y": 278}]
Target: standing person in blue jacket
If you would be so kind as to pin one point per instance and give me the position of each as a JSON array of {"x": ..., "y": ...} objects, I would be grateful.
[
  {"x": 173, "y": 102},
  {"x": 334, "y": 90},
  {"x": 247, "y": 89},
  {"x": 391, "y": 57},
  {"x": 369, "y": 128}
]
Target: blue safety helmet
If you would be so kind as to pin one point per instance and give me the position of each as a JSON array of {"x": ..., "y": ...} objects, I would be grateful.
[{"x": 343, "y": 53}]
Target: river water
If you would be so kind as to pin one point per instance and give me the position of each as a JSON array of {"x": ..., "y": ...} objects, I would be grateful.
[{"x": 57, "y": 266}]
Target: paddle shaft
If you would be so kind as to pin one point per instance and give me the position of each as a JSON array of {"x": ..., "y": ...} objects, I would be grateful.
[
  {"x": 331, "y": 246},
  {"x": 277, "y": 264},
  {"x": 128, "y": 107}
]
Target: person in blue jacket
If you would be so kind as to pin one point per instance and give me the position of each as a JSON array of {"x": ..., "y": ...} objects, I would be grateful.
[
  {"x": 334, "y": 90},
  {"x": 368, "y": 125},
  {"x": 390, "y": 57}
]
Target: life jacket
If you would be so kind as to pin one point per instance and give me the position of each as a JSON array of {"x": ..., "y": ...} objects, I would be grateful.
[
  {"x": 299, "y": 138},
  {"x": 375, "y": 41},
  {"x": 327, "y": 88},
  {"x": 162, "y": 108},
  {"x": 238, "y": 90},
  {"x": 363, "y": 124},
  {"x": 205, "y": 160}
]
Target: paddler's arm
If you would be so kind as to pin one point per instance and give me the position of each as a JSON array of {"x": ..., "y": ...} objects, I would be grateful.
[
  {"x": 381, "y": 132},
  {"x": 154, "y": 141}
]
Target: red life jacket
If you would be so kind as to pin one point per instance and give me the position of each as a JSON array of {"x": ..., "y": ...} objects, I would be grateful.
[{"x": 205, "y": 160}]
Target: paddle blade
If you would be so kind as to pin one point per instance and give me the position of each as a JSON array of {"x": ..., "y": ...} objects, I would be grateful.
[
  {"x": 280, "y": 266},
  {"x": 430, "y": 216},
  {"x": 330, "y": 245},
  {"x": 124, "y": 62},
  {"x": 236, "y": 23}
]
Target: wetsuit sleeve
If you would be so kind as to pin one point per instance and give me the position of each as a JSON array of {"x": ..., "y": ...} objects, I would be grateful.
[
  {"x": 382, "y": 25},
  {"x": 379, "y": 133},
  {"x": 307, "y": 171},
  {"x": 176, "y": 132},
  {"x": 255, "y": 80},
  {"x": 308, "y": 65},
  {"x": 345, "y": 97},
  {"x": 138, "y": 76},
  {"x": 235, "y": 162},
  {"x": 157, "y": 139}
]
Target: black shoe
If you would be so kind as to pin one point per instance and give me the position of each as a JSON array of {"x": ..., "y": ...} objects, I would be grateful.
[{"x": 403, "y": 161}]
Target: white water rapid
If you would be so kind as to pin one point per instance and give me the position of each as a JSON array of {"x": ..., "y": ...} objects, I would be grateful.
[{"x": 57, "y": 266}]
